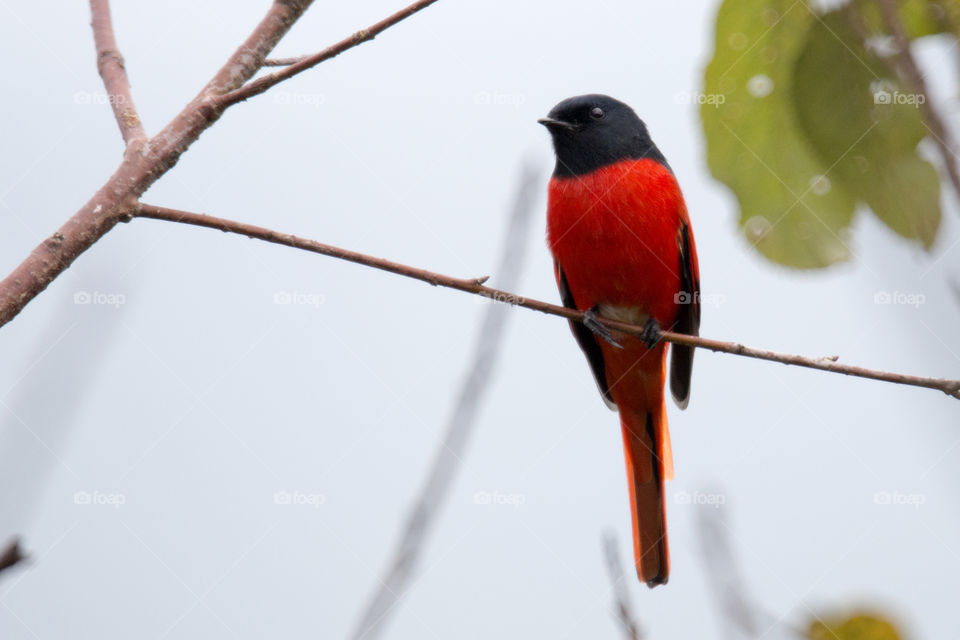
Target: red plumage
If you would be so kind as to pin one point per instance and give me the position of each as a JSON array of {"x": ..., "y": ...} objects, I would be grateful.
[{"x": 621, "y": 241}]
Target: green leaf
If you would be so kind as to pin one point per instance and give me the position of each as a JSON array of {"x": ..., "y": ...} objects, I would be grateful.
[
  {"x": 755, "y": 144},
  {"x": 866, "y": 128},
  {"x": 796, "y": 126},
  {"x": 920, "y": 17},
  {"x": 857, "y": 627}
]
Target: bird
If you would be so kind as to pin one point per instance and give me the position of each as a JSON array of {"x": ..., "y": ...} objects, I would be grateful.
[{"x": 622, "y": 247}]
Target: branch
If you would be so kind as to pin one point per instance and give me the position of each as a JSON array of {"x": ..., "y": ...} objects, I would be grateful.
[
  {"x": 628, "y": 622},
  {"x": 913, "y": 77},
  {"x": 452, "y": 450},
  {"x": 111, "y": 68},
  {"x": 144, "y": 160},
  {"x": 744, "y": 618},
  {"x": 723, "y": 574},
  {"x": 249, "y": 57},
  {"x": 11, "y": 554},
  {"x": 260, "y": 85},
  {"x": 475, "y": 286}
]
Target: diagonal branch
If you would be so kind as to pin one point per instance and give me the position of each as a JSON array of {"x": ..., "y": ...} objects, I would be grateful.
[
  {"x": 249, "y": 57},
  {"x": 299, "y": 65},
  {"x": 475, "y": 286},
  {"x": 145, "y": 161},
  {"x": 621, "y": 598},
  {"x": 111, "y": 68},
  {"x": 449, "y": 455}
]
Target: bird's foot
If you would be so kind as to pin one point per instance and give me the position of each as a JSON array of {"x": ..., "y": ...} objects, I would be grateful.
[
  {"x": 591, "y": 321},
  {"x": 651, "y": 333}
]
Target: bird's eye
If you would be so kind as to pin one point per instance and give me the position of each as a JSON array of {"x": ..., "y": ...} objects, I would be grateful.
[{"x": 596, "y": 113}]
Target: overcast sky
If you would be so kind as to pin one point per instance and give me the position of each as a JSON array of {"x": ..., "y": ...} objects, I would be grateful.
[{"x": 185, "y": 396}]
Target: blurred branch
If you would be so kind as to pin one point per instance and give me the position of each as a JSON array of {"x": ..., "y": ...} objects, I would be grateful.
[
  {"x": 146, "y": 160},
  {"x": 475, "y": 286},
  {"x": 728, "y": 586},
  {"x": 912, "y": 76},
  {"x": 263, "y": 83},
  {"x": 449, "y": 455},
  {"x": 723, "y": 573},
  {"x": 631, "y": 630},
  {"x": 111, "y": 68},
  {"x": 11, "y": 554}
]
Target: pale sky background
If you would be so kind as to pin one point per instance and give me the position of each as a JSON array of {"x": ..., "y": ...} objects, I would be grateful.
[{"x": 199, "y": 398}]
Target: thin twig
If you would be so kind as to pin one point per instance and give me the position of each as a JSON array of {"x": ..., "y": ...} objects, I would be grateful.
[
  {"x": 475, "y": 286},
  {"x": 913, "y": 77},
  {"x": 114, "y": 74},
  {"x": 621, "y": 598},
  {"x": 263, "y": 83},
  {"x": 452, "y": 450},
  {"x": 11, "y": 554}
]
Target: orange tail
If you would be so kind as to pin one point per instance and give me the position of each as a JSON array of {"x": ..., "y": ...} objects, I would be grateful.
[{"x": 646, "y": 443}]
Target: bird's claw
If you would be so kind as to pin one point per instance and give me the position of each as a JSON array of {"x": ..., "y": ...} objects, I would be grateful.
[
  {"x": 651, "y": 333},
  {"x": 591, "y": 321}
]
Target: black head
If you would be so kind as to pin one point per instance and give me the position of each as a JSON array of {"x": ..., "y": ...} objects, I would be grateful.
[{"x": 593, "y": 131}]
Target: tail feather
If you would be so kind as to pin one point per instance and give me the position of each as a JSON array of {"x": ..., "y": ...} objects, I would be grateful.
[{"x": 646, "y": 444}]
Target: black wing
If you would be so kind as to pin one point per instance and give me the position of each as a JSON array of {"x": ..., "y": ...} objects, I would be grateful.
[
  {"x": 585, "y": 339},
  {"x": 688, "y": 321}
]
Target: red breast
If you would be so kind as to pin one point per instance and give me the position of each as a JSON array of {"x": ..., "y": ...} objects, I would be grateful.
[{"x": 615, "y": 230}]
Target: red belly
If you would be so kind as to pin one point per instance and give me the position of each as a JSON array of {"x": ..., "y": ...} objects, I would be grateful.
[{"x": 614, "y": 233}]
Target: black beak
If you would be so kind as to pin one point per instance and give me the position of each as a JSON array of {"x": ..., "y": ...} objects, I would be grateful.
[{"x": 552, "y": 124}]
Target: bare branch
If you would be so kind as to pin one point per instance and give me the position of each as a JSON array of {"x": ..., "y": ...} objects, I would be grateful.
[
  {"x": 144, "y": 161},
  {"x": 449, "y": 455},
  {"x": 249, "y": 57},
  {"x": 11, "y": 554},
  {"x": 628, "y": 622},
  {"x": 912, "y": 76},
  {"x": 724, "y": 575},
  {"x": 475, "y": 286},
  {"x": 741, "y": 613},
  {"x": 111, "y": 68},
  {"x": 261, "y": 84}
]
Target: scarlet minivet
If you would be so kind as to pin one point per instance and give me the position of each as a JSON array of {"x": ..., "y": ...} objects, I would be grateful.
[{"x": 622, "y": 247}]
